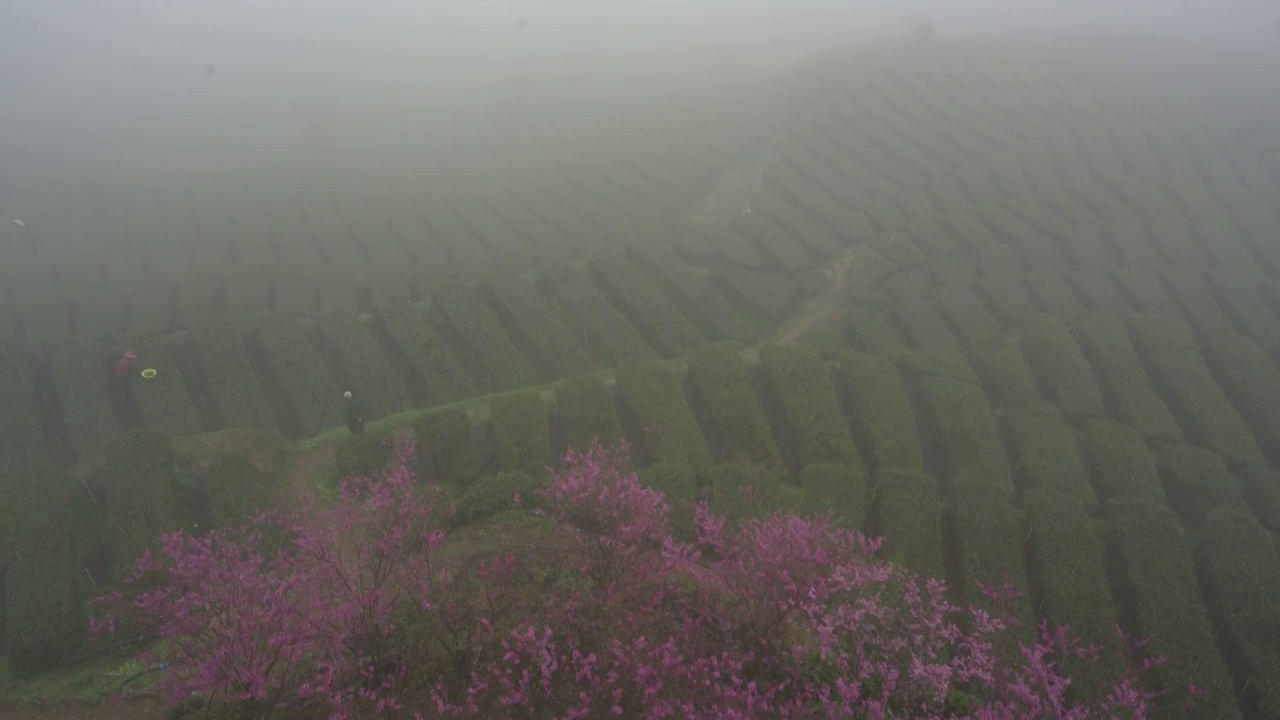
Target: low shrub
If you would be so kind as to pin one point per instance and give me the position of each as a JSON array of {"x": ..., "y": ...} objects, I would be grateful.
[
  {"x": 493, "y": 494},
  {"x": 362, "y": 454}
]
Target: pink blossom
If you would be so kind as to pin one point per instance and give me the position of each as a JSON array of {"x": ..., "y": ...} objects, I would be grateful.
[{"x": 780, "y": 617}]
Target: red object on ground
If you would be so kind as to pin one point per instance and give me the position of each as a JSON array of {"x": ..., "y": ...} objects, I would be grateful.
[{"x": 126, "y": 362}]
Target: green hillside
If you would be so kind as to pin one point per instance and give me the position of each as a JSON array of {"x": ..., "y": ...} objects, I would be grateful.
[{"x": 1014, "y": 305}]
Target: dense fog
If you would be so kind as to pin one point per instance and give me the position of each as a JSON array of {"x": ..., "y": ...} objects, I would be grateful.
[
  {"x": 155, "y": 86},
  {"x": 996, "y": 281}
]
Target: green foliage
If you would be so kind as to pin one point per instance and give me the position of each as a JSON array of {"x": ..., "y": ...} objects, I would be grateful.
[
  {"x": 1182, "y": 377},
  {"x": 1064, "y": 559},
  {"x": 163, "y": 400},
  {"x": 90, "y": 538},
  {"x": 1198, "y": 482},
  {"x": 869, "y": 331},
  {"x": 657, "y": 417},
  {"x": 585, "y": 409},
  {"x": 1037, "y": 249},
  {"x": 744, "y": 491},
  {"x": 965, "y": 432},
  {"x": 376, "y": 383},
  {"x": 1002, "y": 290},
  {"x": 1045, "y": 449},
  {"x": 1161, "y": 591},
  {"x": 237, "y": 488},
  {"x": 847, "y": 224},
  {"x": 919, "y": 319},
  {"x": 720, "y": 391},
  {"x": 20, "y": 445},
  {"x": 733, "y": 249},
  {"x": 828, "y": 340},
  {"x": 1061, "y": 368},
  {"x": 447, "y": 450},
  {"x": 464, "y": 320},
  {"x": 493, "y": 494},
  {"x": 550, "y": 345},
  {"x": 944, "y": 362},
  {"x": 989, "y": 536},
  {"x": 802, "y": 403},
  {"x": 1122, "y": 378},
  {"x": 1122, "y": 466},
  {"x": 879, "y": 411},
  {"x": 714, "y": 316},
  {"x": 764, "y": 295},
  {"x": 1102, "y": 202},
  {"x": 648, "y": 307},
  {"x": 903, "y": 301},
  {"x": 679, "y": 484},
  {"x": 787, "y": 254},
  {"x": 837, "y": 489},
  {"x": 1004, "y": 371},
  {"x": 87, "y": 414},
  {"x": 963, "y": 307},
  {"x": 905, "y": 511},
  {"x": 602, "y": 330},
  {"x": 1242, "y": 571},
  {"x": 362, "y": 454},
  {"x": 229, "y": 375},
  {"x": 795, "y": 222},
  {"x": 1248, "y": 376},
  {"x": 519, "y": 421},
  {"x": 142, "y": 495},
  {"x": 1054, "y": 294},
  {"x": 1098, "y": 291},
  {"x": 6, "y": 547},
  {"x": 312, "y": 392},
  {"x": 407, "y": 328},
  {"x": 44, "y": 614},
  {"x": 20, "y": 442},
  {"x": 1139, "y": 195}
]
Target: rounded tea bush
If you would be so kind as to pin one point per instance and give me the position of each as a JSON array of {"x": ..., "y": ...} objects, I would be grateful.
[{"x": 493, "y": 494}]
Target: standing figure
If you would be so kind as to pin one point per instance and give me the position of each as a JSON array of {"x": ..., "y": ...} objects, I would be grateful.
[
  {"x": 126, "y": 363},
  {"x": 354, "y": 412}
]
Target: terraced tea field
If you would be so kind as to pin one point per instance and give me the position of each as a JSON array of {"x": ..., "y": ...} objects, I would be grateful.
[{"x": 1036, "y": 289}]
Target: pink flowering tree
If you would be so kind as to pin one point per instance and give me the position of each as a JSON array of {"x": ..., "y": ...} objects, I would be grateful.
[
  {"x": 305, "y": 618},
  {"x": 781, "y": 617},
  {"x": 605, "y": 615}
]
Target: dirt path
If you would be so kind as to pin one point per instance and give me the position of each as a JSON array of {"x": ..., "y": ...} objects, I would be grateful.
[
  {"x": 301, "y": 481},
  {"x": 732, "y": 190},
  {"x": 730, "y": 196},
  {"x": 821, "y": 308}
]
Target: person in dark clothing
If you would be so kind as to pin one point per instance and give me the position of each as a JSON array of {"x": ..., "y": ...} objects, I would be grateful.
[{"x": 353, "y": 409}]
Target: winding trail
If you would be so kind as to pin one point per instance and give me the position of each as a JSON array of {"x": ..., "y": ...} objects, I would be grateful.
[
  {"x": 821, "y": 308},
  {"x": 729, "y": 196},
  {"x": 301, "y": 480}
]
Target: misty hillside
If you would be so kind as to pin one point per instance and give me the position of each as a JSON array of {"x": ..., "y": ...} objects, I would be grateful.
[
  {"x": 1054, "y": 166},
  {"x": 1020, "y": 293}
]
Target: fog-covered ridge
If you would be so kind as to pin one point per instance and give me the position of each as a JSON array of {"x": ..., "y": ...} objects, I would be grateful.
[{"x": 174, "y": 88}]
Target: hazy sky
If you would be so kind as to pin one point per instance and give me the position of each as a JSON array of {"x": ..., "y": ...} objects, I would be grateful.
[
  {"x": 80, "y": 75},
  {"x": 55, "y": 48}
]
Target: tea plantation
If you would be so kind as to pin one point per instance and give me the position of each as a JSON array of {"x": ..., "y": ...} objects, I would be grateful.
[{"x": 1036, "y": 288}]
